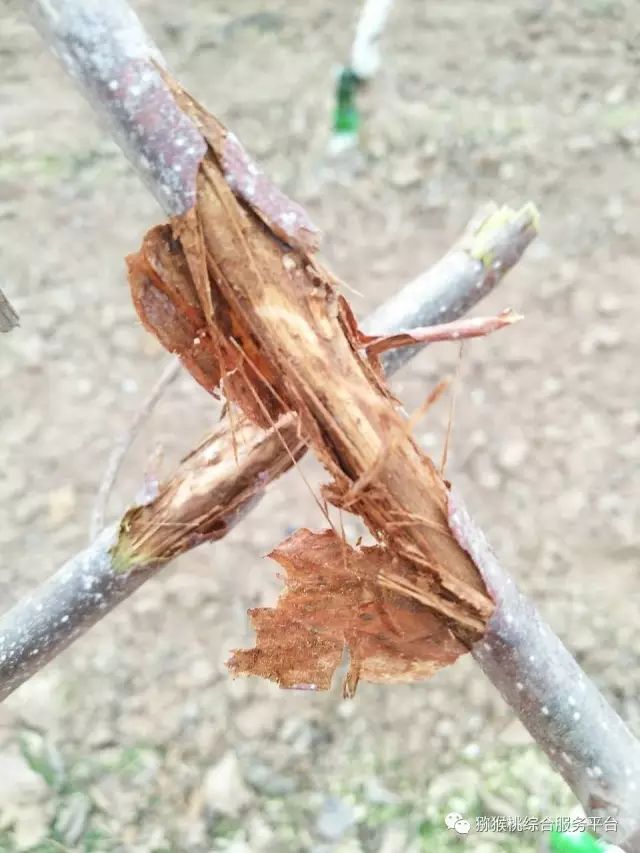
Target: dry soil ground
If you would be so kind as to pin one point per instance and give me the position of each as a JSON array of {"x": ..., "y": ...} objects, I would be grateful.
[{"x": 141, "y": 740}]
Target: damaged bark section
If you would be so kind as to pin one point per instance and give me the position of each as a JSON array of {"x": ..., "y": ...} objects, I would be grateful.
[
  {"x": 332, "y": 599},
  {"x": 212, "y": 488},
  {"x": 239, "y": 272},
  {"x": 476, "y": 327}
]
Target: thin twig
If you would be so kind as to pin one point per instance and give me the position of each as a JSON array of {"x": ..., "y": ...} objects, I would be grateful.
[
  {"x": 123, "y": 444},
  {"x": 452, "y": 410},
  {"x": 8, "y": 315}
]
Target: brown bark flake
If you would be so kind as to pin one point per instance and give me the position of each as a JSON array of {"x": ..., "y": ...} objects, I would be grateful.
[{"x": 332, "y": 600}]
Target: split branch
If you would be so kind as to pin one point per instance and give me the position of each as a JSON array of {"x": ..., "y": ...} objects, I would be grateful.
[
  {"x": 234, "y": 287},
  {"x": 209, "y": 492},
  {"x": 123, "y": 445},
  {"x": 92, "y": 583},
  {"x": 503, "y": 658}
]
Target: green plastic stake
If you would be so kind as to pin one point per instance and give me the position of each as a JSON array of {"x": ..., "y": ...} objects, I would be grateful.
[
  {"x": 576, "y": 842},
  {"x": 347, "y": 117}
]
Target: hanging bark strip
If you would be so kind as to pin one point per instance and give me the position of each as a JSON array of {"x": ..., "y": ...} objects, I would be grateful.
[
  {"x": 284, "y": 340},
  {"x": 333, "y": 600}
]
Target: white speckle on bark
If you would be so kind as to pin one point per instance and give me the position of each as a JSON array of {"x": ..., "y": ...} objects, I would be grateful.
[{"x": 105, "y": 48}]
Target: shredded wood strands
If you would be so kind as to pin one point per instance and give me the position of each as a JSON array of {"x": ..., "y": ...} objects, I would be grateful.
[
  {"x": 233, "y": 286},
  {"x": 212, "y": 488}
]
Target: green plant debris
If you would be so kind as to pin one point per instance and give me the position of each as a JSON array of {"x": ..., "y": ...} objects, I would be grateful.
[
  {"x": 376, "y": 793},
  {"x": 578, "y": 842},
  {"x": 54, "y": 166},
  {"x": 621, "y": 117},
  {"x": 44, "y": 759},
  {"x": 77, "y": 821}
]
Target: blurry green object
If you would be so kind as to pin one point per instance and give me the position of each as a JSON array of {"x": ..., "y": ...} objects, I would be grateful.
[
  {"x": 346, "y": 118},
  {"x": 576, "y": 843}
]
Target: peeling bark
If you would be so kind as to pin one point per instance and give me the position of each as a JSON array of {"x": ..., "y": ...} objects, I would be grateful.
[
  {"x": 81, "y": 32},
  {"x": 332, "y": 600},
  {"x": 60, "y": 610},
  {"x": 213, "y": 487},
  {"x": 287, "y": 342},
  {"x": 475, "y": 327}
]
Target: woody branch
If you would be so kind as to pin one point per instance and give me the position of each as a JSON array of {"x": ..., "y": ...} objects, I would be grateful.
[
  {"x": 89, "y": 585},
  {"x": 600, "y": 771}
]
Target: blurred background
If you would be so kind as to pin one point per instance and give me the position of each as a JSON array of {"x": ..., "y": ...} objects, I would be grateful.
[{"x": 136, "y": 738}]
